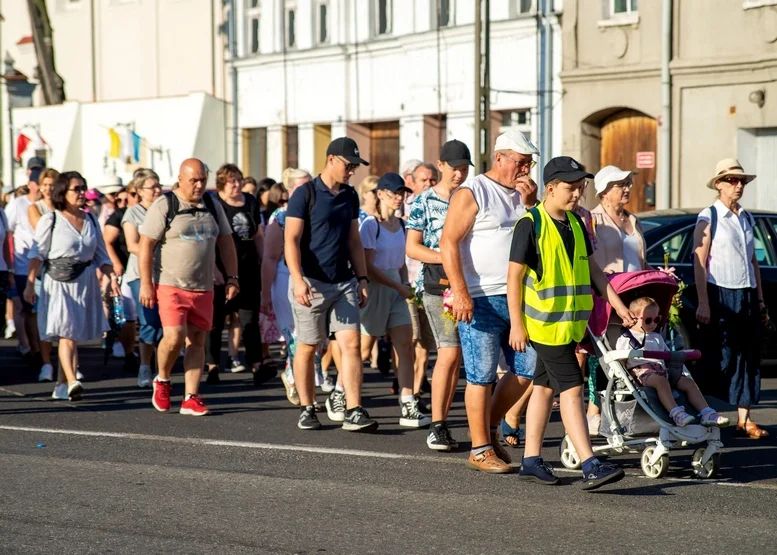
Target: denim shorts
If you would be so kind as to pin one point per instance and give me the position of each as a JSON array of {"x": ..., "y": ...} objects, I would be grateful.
[
  {"x": 482, "y": 339},
  {"x": 148, "y": 318}
]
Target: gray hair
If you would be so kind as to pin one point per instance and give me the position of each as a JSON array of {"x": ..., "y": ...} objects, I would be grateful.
[
  {"x": 410, "y": 167},
  {"x": 429, "y": 166}
]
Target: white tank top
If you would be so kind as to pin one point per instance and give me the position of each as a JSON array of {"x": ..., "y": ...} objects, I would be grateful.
[{"x": 485, "y": 251}]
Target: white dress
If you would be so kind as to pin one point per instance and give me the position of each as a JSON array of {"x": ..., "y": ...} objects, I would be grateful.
[{"x": 73, "y": 310}]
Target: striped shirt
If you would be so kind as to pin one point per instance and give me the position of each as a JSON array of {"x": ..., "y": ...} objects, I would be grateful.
[{"x": 730, "y": 262}]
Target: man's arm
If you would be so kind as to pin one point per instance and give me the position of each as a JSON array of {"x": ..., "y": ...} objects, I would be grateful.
[
  {"x": 357, "y": 250},
  {"x": 461, "y": 216},
  {"x": 417, "y": 251},
  {"x": 291, "y": 246}
]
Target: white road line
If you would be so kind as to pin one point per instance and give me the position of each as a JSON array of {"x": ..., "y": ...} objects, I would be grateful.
[{"x": 330, "y": 451}]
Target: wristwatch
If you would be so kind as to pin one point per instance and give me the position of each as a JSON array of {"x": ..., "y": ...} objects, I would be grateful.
[{"x": 365, "y": 278}]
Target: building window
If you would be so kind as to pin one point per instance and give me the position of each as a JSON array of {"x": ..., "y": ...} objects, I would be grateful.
[
  {"x": 322, "y": 22},
  {"x": 519, "y": 120},
  {"x": 291, "y": 27},
  {"x": 252, "y": 16},
  {"x": 382, "y": 17},
  {"x": 518, "y": 7},
  {"x": 622, "y": 7},
  {"x": 444, "y": 13}
]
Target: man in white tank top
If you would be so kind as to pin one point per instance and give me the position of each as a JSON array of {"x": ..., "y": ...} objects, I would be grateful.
[{"x": 475, "y": 249}]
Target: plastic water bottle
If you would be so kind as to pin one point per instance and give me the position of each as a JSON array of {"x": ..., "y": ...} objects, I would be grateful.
[{"x": 118, "y": 311}]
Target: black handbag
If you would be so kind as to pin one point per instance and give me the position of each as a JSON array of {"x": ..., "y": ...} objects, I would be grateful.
[
  {"x": 65, "y": 269},
  {"x": 435, "y": 279}
]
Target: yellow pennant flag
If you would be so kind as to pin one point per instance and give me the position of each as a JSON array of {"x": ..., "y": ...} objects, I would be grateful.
[{"x": 115, "y": 144}]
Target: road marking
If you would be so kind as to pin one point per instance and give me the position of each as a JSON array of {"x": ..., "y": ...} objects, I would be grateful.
[
  {"x": 333, "y": 451},
  {"x": 12, "y": 392}
]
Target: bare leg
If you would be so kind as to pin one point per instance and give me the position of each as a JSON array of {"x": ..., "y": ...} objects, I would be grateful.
[
  {"x": 18, "y": 318},
  {"x": 443, "y": 384},
  {"x": 304, "y": 380},
  {"x": 169, "y": 349},
  {"x": 477, "y": 399},
  {"x": 194, "y": 358},
  {"x": 537, "y": 415},
  {"x": 45, "y": 351},
  {"x": 351, "y": 368},
  {"x": 126, "y": 338},
  {"x": 661, "y": 385},
  {"x": 67, "y": 361},
  {"x": 402, "y": 339},
  {"x": 509, "y": 390},
  {"x": 513, "y": 416},
  {"x": 234, "y": 333},
  {"x": 367, "y": 345},
  {"x": 691, "y": 390},
  {"x": 419, "y": 366}
]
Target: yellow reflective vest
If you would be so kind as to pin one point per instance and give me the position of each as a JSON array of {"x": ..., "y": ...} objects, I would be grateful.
[{"x": 556, "y": 307}]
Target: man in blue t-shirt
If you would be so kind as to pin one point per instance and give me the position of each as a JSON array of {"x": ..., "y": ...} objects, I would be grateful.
[{"x": 323, "y": 249}]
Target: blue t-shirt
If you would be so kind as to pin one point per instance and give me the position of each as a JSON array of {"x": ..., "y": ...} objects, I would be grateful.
[
  {"x": 324, "y": 243},
  {"x": 427, "y": 215}
]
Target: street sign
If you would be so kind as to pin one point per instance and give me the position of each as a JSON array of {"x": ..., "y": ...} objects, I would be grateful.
[{"x": 646, "y": 160}]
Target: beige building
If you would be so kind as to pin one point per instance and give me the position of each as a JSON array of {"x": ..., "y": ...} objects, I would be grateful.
[
  {"x": 156, "y": 68},
  {"x": 723, "y": 93}
]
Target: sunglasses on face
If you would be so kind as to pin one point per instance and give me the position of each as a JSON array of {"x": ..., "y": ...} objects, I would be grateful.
[
  {"x": 734, "y": 180},
  {"x": 348, "y": 166},
  {"x": 651, "y": 320},
  {"x": 121, "y": 199},
  {"x": 78, "y": 189}
]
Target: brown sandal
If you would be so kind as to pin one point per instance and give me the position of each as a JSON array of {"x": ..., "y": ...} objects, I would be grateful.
[{"x": 751, "y": 430}]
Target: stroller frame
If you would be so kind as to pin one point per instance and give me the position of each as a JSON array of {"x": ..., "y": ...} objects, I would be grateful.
[{"x": 655, "y": 449}]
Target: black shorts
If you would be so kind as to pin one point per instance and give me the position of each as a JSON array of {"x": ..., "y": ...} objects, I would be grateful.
[{"x": 557, "y": 367}]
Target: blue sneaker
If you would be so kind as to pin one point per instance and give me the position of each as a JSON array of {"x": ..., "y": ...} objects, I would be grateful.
[
  {"x": 601, "y": 474},
  {"x": 540, "y": 472}
]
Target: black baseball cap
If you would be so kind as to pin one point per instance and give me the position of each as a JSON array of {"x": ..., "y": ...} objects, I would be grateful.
[
  {"x": 565, "y": 169},
  {"x": 36, "y": 162},
  {"x": 392, "y": 182},
  {"x": 35, "y": 176},
  {"x": 347, "y": 148},
  {"x": 455, "y": 153}
]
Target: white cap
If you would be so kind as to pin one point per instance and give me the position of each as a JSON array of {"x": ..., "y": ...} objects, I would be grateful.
[
  {"x": 607, "y": 175},
  {"x": 409, "y": 166},
  {"x": 515, "y": 141}
]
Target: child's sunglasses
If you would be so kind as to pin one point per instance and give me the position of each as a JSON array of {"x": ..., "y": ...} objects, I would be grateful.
[{"x": 652, "y": 320}]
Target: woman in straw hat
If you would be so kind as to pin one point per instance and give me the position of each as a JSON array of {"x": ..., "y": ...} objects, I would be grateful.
[{"x": 731, "y": 306}]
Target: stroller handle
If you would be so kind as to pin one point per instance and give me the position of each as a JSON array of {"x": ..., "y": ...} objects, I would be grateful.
[{"x": 673, "y": 355}]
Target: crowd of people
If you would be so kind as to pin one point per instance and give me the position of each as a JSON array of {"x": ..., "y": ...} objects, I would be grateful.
[{"x": 340, "y": 274}]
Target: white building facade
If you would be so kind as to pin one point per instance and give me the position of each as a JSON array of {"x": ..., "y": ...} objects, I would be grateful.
[
  {"x": 398, "y": 76},
  {"x": 151, "y": 69}
]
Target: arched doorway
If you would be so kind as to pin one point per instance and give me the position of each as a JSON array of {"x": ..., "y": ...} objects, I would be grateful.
[{"x": 624, "y": 134}]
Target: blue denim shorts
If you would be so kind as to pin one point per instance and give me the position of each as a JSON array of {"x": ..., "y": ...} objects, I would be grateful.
[
  {"x": 148, "y": 318},
  {"x": 482, "y": 339}
]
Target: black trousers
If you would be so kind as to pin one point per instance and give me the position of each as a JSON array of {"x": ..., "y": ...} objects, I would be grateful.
[{"x": 246, "y": 305}]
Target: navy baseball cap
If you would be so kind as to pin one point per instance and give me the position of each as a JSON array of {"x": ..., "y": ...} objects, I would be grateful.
[
  {"x": 392, "y": 182},
  {"x": 347, "y": 148},
  {"x": 455, "y": 153},
  {"x": 35, "y": 176},
  {"x": 36, "y": 162},
  {"x": 565, "y": 169}
]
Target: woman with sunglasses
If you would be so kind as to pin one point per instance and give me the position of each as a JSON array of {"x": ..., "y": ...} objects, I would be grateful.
[
  {"x": 731, "y": 307},
  {"x": 35, "y": 212},
  {"x": 70, "y": 306},
  {"x": 146, "y": 185}
]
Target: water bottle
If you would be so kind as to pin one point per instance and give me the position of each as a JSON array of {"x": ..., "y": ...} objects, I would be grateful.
[{"x": 118, "y": 311}]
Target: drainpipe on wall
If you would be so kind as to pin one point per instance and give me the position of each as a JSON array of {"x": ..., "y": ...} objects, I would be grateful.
[
  {"x": 665, "y": 143},
  {"x": 545, "y": 85},
  {"x": 233, "y": 74}
]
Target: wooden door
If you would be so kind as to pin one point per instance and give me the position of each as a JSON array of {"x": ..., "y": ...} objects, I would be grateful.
[
  {"x": 384, "y": 147},
  {"x": 624, "y": 134}
]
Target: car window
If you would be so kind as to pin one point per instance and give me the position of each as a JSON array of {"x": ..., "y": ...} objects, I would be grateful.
[
  {"x": 647, "y": 225},
  {"x": 762, "y": 252},
  {"x": 675, "y": 246}
]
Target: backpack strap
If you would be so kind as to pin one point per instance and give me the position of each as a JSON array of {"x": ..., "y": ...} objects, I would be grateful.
[
  {"x": 537, "y": 218},
  {"x": 401, "y": 224},
  {"x": 174, "y": 205},
  {"x": 310, "y": 198},
  {"x": 172, "y": 209},
  {"x": 713, "y": 222}
]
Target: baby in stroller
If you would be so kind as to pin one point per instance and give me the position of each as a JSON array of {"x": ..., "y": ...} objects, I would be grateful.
[{"x": 655, "y": 374}]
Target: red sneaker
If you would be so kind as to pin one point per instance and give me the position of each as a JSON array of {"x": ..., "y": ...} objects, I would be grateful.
[
  {"x": 161, "y": 397},
  {"x": 194, "y": 406}
]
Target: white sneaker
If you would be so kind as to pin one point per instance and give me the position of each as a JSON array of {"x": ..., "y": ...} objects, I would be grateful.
[
  {"x": 144, "y": 376},
  {"x": 46, "y": 373},
  {"x": 10, "y": 329},
  {"x": 79, "y": 375},
  {"x": 712, "y": 418},
  {"x": 60, "y": 392},
  {"x": 75, "y": 391},
  {"x": 118, "y": 350},
  {"x": 328, "y": 385}
]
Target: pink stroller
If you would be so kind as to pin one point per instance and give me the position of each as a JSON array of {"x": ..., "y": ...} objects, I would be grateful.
[{"x": 633, "y": 420}]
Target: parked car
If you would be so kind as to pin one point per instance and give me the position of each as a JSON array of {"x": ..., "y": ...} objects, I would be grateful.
[{"x": 671, "y": 232}]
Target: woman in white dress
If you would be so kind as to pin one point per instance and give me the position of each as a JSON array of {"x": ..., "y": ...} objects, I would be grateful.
[{"x": 70, "y": 306}]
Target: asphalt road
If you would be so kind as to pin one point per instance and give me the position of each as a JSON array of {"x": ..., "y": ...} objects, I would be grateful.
[{"x": 111, "y": 475}]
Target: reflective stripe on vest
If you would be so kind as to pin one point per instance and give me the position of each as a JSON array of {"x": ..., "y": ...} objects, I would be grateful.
[{"x": 556, "y": 308}]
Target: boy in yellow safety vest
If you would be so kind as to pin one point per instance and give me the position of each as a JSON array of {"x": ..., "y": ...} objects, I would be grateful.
[{"x": 549, "y": 294}]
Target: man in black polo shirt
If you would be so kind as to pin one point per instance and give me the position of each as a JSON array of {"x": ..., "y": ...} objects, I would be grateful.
[{"x": 323, "y": 250}]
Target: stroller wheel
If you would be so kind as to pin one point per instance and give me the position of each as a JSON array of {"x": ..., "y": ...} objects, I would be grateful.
[
  {"x": 709, "y": 470},
  {"x": 569, "y": 457},
  {"x": 657, "y": 470}
]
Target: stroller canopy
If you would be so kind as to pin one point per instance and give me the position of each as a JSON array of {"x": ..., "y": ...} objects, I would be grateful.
[{"x": 630, "y": 286}]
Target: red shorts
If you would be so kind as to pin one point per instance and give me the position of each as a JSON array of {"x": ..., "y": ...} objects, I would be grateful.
[{"x": 178, "y": 307}]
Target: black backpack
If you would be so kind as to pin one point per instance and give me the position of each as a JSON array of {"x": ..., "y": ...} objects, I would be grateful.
[{"x": 174, "y": 205}]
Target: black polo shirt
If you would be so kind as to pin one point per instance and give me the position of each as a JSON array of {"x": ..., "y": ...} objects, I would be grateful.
[{"x": 324, "y": 244}]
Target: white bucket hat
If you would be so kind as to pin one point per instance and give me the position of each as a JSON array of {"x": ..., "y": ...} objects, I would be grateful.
[
  {"x": 729, "y": 167},
  {"x": 607, "y": 175},
  {"x": 109, "y": 184}
]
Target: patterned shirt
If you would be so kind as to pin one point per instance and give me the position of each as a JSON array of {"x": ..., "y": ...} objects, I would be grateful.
[{"x": 427, "y": 215}]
